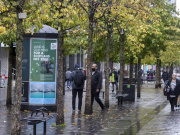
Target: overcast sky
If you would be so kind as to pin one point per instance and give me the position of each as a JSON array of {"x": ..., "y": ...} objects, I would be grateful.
[{"x": 178, "y": 4}]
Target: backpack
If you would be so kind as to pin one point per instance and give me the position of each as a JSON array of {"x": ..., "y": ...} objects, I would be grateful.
[
  {"x": 78, "y": 78},
  {"x": 112, "y": 78}
]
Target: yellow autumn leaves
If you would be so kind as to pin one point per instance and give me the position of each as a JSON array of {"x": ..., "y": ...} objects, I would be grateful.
[{"x": 2, "y": 30}]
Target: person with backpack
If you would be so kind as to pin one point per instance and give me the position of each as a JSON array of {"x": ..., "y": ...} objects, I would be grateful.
[
  {"x": 96, "y": 85},
  {"x": 78, "y": 79},
  {"x": 68, "y": 78},
  {"x": 114, "y": 79}
]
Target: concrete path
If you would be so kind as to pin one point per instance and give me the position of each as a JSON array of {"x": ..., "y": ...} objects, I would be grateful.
[{"x": 147, "y": 115}]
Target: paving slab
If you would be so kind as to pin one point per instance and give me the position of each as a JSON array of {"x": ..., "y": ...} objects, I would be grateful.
[
  {"x": 129, "y": 118},
  {"x": 165, "y": 123}
]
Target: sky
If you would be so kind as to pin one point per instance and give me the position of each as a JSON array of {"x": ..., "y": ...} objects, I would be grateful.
[{"x": 178, "y": 4}]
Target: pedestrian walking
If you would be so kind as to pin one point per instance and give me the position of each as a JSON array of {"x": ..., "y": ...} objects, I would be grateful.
[
  {"x": 165, "y": 77},
  {"x": 142, "y": 72},
  {"x": 68, "y": 78},
  {"x": 83, "y": 70},
  {"x": 173, "y": 91},
  {"x": 96, "y": 85},
  {"x": 114, "y": 79},
  {"x": 78, "y": 79}
]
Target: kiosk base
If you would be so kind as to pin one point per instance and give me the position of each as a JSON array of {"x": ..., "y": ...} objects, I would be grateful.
[{"x": 31, "y": 107}]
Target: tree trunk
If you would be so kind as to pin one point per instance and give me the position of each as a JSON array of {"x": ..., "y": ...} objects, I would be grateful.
[
  {"x": 158, "y": 74},
  {"x": 88, "y": 107},
  {"x": 64, "y": 72},
  {"x": 9, "y": 86},
  {"x": 111, "y": 60},
  {"x": 169, "y": 65},
  {"x": 170, "y": 71},
  {"x": 136, "y": 71},
  {"x": 131, "y": 71},
  {"x": 121, "y": 63},
  {"x": 0, "y": 58},
  {"x": 16, "y": 126},
  {"x": 59, "y": 83},
  {"x": 107, "y": 67},
  {"x": 139, "y": 79}
]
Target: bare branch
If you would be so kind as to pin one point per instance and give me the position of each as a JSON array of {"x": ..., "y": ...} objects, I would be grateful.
[
  {"x": 7, "y": 11},
  {"x": 83, "y": 7},
  {"x": 98, "y": 3},
  {"x": 101, "y": 16},
  {"x": 71, "y": 27},
  {"x": 118, "y": 28}
]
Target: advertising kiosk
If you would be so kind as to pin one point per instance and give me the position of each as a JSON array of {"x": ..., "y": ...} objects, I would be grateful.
[{"x": 39, "y": 69}]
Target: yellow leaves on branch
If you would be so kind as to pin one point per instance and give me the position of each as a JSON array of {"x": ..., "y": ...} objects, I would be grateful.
[{"x": 2, "y": 30}]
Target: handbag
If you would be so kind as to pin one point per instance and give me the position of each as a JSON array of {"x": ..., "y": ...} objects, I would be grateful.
[{"x": 165, "y": 93}]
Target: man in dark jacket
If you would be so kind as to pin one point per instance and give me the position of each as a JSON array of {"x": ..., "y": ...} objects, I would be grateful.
[
  {"x": 96, "y": 85},
  {"x": 77, "y": 89},
  {"x": 165, "y": 77}
]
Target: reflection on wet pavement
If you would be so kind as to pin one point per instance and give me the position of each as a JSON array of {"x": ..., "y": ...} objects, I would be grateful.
[{"x": 127, "y": 119}]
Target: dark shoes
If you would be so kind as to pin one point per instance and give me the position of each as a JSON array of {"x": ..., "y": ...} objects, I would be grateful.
[
  {"x": 103, "y": 109},
  {"x": 73, "y": 112},
  {"x": 79, "y": 111}
]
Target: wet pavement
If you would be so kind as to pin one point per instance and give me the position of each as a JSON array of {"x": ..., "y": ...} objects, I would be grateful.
[
  {"x": 149, "y": 115},
  {"x": 165, "y": 123}
]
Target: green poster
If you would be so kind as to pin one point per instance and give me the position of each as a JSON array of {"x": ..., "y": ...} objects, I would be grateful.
[{"x": 43, "y": 60}]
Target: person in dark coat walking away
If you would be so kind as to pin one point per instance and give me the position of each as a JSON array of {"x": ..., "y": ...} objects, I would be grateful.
[
  {"x": 78, "y": 79},
  {"x": 165, "y": 77},
  {"x": 96, "y": 85},
  {"x": 68, "y": 78},
  {"x": 173, "y": 91}
]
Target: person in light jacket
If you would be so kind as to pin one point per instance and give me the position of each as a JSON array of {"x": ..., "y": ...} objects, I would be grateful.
[{"x": 68, "y": 78}]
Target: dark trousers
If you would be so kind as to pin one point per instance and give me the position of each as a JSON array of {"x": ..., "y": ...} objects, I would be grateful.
[
  {"x": 95, "y": 95},
  {"x": 74, "y": 93},
  {"x": 68, "y": 83},
  {"x": 173, "y": 102},
  {"x": 116, "y": 83}
]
